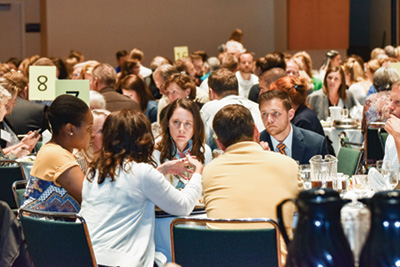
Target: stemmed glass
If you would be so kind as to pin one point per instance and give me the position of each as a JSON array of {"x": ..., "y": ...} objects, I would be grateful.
[{"x": 390, "y": 173}]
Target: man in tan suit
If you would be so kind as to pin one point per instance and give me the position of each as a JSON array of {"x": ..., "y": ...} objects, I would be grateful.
[{"x": 246, "y": 181}]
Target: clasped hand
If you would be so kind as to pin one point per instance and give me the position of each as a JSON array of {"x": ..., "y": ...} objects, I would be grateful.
[{"x": 183, "y": 167}]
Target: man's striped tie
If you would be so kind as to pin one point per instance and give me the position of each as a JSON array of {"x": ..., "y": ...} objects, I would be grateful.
[{"x": 281, "y": 147}]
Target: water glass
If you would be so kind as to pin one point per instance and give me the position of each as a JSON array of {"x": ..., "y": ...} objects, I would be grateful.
[
  {"x": 305, "y": 175},
  {"x": 344, "y": 113},
  {"x": 390, "y": 174},
  {"x": 379, "y": 165},
  {"x": 341, "y": 183},
  {"x": 360, "y": 185}
]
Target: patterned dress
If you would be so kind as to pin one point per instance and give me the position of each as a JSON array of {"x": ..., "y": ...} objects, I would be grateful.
[{"x": 43, "y": 192}]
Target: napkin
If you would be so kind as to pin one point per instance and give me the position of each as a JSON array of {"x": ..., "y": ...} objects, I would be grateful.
[{"x": 376, "y": 180}]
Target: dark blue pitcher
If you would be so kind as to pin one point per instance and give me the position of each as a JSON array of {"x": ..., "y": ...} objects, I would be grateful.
[
  {"x": 382, "y": 247},
  {"x": 319, "y": 239}
]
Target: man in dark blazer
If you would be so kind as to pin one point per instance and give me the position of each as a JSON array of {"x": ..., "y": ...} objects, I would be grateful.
[
  {"x": 283, "y": 137},
  {"x": 103, "y": 80},
  {"x": 27, "y": 116}
]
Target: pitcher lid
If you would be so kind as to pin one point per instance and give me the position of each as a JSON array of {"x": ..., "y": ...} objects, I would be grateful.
[
  {"x": 389, "y": 196},
  {"x": 319, "y": 195}
]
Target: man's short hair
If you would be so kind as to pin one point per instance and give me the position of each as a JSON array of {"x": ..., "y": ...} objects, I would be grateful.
[
  {"x": 248, "y": 53},
  {"x": 275, "y": 60},
  {"x": 232, "y": 124},
  {"x": 136, "y": 54},
  {"x": 105, "y": 73},
  {"x": 223, "y": 82},
  {"x": 282, "y": 95},
  {"x": 165, "y": 71},
  {"x": 121, "y": 53},
  {"x": 229, "y": 62},
  {"x": 272, "y": 75}
]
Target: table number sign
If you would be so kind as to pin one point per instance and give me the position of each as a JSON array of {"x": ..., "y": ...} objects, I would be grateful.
[
  {"x": 396, "y": 66},
  {"x": 181, "y": 52},
  {"x": 78, "y": 88},
  {"x": 42, "y": 82}
]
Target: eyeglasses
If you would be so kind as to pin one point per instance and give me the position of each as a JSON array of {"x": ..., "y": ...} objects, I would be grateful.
[{"x": 187, "y": 125}]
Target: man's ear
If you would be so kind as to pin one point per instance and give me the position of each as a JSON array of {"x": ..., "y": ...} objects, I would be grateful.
[
  {"x": 291, "y": 114},
  {"x": 212, "y": 94},
  {"x": 256, "y": 135},
  {"x": 221, "y": 145},
  {"x": 24, "y": 93}
]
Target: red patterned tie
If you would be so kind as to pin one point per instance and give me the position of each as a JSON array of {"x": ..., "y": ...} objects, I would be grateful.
[{"x": 281, "y": 147}]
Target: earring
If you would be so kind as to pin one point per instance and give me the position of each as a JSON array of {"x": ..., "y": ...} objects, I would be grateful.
[{"x": 71, "y": 133}]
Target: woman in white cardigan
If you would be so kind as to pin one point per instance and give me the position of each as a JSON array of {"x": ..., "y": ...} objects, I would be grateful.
[{"x": 122, "y": 187}]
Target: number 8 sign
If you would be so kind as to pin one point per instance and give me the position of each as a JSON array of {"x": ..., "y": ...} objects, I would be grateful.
[{"x": 42, "y": 82}]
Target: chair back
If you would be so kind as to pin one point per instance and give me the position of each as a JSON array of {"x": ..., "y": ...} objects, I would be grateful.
[
  {"x": 10, "y": 171},
  {"x": 57, "y": 238},
  {"x": 349, "y": 160},
  {"x": 374, "y": 142},
  {"x": 18, "y": 190},
  {"x": 201, "y": 246}
]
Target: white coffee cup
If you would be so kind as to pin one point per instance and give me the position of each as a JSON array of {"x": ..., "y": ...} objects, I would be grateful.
[{"x": 335, "y": 113}]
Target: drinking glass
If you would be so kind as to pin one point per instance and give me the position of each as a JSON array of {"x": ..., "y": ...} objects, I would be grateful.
[
  {"x": 340, "y": 183},
  {"x": 360, "y": 185},
  {"x": 379, "y": 165},
  {"x": 305, "y": 175},
  {"x": 390, "y": 174},
  {"x": 344, "y": 113}
]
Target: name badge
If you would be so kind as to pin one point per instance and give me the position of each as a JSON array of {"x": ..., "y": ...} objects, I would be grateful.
[
  {"x": 46, "y": 136},
  {"x": 6, "y": 136}
]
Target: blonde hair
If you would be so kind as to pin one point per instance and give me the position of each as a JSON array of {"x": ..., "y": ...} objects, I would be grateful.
[
  {"x": 355, "y": 70},
  {"x": 4, "y": 96}
]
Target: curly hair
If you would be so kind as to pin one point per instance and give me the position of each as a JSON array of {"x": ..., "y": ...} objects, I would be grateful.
[
  {"x": 127, "y": 137},
  {"x": 165, "y": 145},
  {"x": 184, "y": 82}
]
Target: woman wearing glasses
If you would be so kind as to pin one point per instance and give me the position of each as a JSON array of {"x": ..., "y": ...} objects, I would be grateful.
[{"x": 182, "y": 134}]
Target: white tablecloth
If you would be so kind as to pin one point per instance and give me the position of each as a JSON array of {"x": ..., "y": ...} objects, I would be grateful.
[{"x": 354, "y": 136}]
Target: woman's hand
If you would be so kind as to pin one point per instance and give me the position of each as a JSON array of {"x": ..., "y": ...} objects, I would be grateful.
[
  {"x": 265, "y": 146},
  {"x": 31, "y": 139},
  {"x": 198, "y": 166},
  {"x": 21, "y": 151},
  {"x": 182, "y": 167}
]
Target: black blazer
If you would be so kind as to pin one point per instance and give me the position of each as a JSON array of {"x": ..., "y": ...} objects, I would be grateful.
[
  {"x": 27, "y": 116},
  {"x": 305, "y": 118},
  {"x": 305, "y": 144}
]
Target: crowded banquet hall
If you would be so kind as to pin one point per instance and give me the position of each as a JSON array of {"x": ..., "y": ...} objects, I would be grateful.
[{"x": 143, "y": 134}]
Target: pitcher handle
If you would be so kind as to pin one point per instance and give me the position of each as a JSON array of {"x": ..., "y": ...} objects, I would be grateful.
[{"x": 281, "y": 223}]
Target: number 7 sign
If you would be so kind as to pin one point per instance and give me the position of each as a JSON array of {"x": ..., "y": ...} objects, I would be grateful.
[{"x": 78, "y": 88}]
